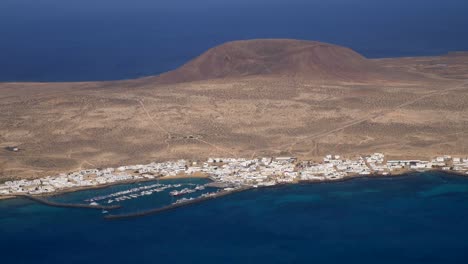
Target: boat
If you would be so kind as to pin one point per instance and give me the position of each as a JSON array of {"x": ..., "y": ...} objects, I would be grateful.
[
  {"x": 174, "y": 193},
  {"x": 200, "y": 188},
  {"x": 182, "y": 192},
  {"x": 183, "y": 200}
]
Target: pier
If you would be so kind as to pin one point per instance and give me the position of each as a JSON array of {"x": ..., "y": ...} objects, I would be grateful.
[
  {"x": 175, "y": 205},
  {"x": 65, "y": 205}
]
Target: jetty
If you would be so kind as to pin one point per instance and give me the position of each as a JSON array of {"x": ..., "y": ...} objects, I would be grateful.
[
  {"x": 67, "y": 205},
  {"x": 176, "y": 205}
]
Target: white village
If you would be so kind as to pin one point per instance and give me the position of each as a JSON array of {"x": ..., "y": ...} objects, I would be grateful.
[{"x": 236, "y": 173}]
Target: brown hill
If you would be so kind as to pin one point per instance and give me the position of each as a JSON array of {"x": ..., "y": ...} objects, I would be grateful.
[
  {"x": 108, "y": 124},
  {"x": 280, "y": 57}
]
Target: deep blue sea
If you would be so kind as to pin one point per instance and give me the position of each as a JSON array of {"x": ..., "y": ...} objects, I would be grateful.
[
  {"x": 84, "y": 40},
  {"x": 413, "y": 219},
  {"x": 418, "y": 218}
]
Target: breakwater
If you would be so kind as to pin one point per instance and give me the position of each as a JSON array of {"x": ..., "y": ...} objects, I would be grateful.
[
  {"x": 175, "y": 205},
  {"x": 66, "y": 205}
]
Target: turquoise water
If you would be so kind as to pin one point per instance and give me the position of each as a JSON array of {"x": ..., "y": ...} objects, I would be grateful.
[{"x": 418, "y": 218}]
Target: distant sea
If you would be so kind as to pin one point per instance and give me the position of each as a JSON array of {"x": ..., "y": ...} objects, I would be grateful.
[
  {"x": 57, "y": 40},
  {"x": 418, "y": 218}
]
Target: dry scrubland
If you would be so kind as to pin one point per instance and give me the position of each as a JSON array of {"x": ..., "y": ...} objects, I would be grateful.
[{"x": 236, "y": 101}]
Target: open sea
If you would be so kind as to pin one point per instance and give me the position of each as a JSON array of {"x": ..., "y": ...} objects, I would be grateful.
[
  {"x": 418, "y": 218},
  {"x": 84, "y": 40}
]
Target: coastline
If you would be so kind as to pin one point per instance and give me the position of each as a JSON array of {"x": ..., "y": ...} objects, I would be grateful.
[
  {"x": 247, "y": 188},
  {"x": 225, "y": 192},
  {"x": 401, "y": 173},
  {"x": 103, "y": 186}
]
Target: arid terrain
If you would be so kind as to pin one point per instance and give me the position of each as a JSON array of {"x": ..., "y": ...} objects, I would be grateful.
[{"x": 245, "y": 98}]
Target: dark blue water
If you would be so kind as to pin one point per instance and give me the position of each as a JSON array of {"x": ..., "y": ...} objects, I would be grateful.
[
  {"x": 70, "y": 40},
  {"x": 414, "y": 219}
]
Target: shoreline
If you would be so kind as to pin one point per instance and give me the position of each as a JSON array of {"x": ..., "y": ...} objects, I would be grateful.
[
  {"x": 103, "y": 186},
  {"x": 247, "y": 188},
  {"x": 178, "y": 177},
  {"x": 41, "y": 198}
]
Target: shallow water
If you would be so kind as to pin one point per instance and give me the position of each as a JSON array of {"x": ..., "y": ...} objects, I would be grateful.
[{"x": 414, "y": 219}]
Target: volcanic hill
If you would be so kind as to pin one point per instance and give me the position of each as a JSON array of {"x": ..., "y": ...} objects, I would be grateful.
[
  {"x": 278, "y": 57},
  {"x": 241, "y": 99}
]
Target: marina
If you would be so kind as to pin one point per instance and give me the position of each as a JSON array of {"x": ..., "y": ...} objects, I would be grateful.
[
  {"x": 299, "y": 212},
  {"x": 69, "y": 205},
  {"x": 186, "y": 191},
  {"x": 226, "y": 176},
  {"x": 133, "y": 193},
  {"x": 229, "y": 172},
  {"x": 175, "y": 205}
]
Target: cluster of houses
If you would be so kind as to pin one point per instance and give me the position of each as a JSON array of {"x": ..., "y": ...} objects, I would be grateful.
[{"x": 237, "y": 172}]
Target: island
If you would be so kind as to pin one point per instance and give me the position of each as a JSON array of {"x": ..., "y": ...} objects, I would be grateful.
[{"x": 269, "y": 110}]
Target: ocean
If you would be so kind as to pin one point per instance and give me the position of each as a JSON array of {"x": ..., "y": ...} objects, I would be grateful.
[
  {"x": 66, "y": 40},
  {"x": 417, "y": 218}
]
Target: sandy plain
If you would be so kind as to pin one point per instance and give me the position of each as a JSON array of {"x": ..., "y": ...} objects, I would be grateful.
[{"x": 405, "y": 108}]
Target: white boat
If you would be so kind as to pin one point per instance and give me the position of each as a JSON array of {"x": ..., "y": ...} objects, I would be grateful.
[{"x": 200, "y": 188}]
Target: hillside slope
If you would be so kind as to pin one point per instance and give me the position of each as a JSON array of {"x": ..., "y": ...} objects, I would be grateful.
[{"x": 279, "y": 57}]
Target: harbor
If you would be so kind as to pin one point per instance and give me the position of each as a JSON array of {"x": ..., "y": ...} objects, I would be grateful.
[
  {"x": 176, "y": 205},
  {"x": 227, "y": 172},
  {"x": 224, "y": 175},
  {"x": 68, "y": 205}
]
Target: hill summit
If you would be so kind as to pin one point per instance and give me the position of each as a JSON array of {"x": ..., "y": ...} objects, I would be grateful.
[{"x": 278, "y": 57}]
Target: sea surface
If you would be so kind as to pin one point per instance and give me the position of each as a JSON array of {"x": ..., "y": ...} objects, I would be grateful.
[
  {"x": 85, "y": 40},
  {"x": 418, "y": 218}
]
